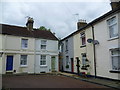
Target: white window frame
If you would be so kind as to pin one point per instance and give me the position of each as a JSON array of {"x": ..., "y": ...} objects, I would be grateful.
[
  {"x": 44, "y": 44},
  {"x": 42, "y": 60},
  {"x": 23, "y": 43},
  {"x": 118, "y": 55},
  {"x": 67, "y": 60},
  {"x": 82, "y": 35},
  {"x": 84, "y": 59},
  {"x": 115, "y": 23},
  {"x": 66, "y": 45},
  {"x": 21, "y": 59}
]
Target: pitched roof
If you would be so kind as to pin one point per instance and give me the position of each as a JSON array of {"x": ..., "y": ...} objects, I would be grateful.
[
  {"x": 23, "y": 31},
  {"x": 97, "y": 20}
]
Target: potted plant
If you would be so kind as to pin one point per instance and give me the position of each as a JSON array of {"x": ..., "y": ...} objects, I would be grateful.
[{"x": 67, "y": 66}]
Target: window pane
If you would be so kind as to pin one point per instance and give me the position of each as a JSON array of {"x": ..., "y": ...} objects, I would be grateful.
[
  {"x": 23, "y": 60},
  {"x": 113, "y": 31},
  {"x": 24, "y": 43},
  {"x": 67, "y": 60},
  {"x": 112, "y": 21},
  {"x": 115, "y": 63},
  {"x": 43, "y": 46},
  {"x": 43, "y": 60},
  {"x": 84, "y": 59}
]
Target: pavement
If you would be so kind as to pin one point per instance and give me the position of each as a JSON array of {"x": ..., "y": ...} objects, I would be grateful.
[{"x": 105, "y": 82}]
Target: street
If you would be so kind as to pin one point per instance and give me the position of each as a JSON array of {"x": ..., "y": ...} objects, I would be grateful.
[{"x": 45, "y": 81}]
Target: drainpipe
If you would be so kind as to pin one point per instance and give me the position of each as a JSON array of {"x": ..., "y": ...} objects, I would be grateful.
[{"x": 94, "y": 51}]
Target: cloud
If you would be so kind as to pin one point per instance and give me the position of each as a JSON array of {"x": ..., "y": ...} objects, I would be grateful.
[{"x": 58, "y": 16}]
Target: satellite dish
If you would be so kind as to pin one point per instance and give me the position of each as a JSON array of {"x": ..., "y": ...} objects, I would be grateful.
[
  {"x": 96, "y": 42},
  {"x": 90, "y": 40}
]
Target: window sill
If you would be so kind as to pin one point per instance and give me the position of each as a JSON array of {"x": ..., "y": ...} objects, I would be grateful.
[
  {"x": 82, "y": 46},
  {"x": 24, "y": 48},
  {"x": 113, "y": 38},
  {"x": 43, "y": 66},
  {"x": 23, "y": 66},
  {"x": 113, "y": 71}
]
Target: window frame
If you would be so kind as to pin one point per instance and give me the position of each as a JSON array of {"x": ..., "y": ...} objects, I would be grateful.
[
  {"x": 66, "y": 45},
  {"x": 23, "y": 60},
  {"x": 41, "y": 60},
  {"x": 84, "y": 60},
  {"x": 114, "y": 56},
  {"x": 108, "y": 26},
  {"x": 83, "y": 38},
  {"x": 67, "y": 60},
  {"x": 23, "y": 46},
  {"x": 42, "y": 44}
]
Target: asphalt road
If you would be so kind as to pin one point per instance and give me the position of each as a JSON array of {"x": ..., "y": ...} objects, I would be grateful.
[{"x": 45, "y": 81}]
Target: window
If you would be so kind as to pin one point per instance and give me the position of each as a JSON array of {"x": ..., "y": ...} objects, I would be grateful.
[
  {"x": 43, "y": 60},
  {"x": 23, "y": 60},
  {"x": 24, "y": 43},
  {"x": 83, "y": 38},
  {"x": 43, "y": 44},
  {"x": 83, "y": 59},
  {"x": 67, "y": 60},
  {"x": 115, "y": 56},
  {"x": 112, "y": 25},
  {"x": 66, "y": 43}
]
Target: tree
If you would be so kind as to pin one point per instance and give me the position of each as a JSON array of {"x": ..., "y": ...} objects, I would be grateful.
[{"x": 43, "y": 28}]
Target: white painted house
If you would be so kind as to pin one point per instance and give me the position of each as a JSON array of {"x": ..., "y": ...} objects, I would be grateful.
[
  {"x": 46, "y": 53},
  {"x": 27, "y": 50},
  {"x": 97, "y": 46}
]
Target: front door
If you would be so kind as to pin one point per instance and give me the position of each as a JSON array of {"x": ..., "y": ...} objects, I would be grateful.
[
  {"x": 9, "y": 63},
  {"x": 53, "y": 63},
  {"x": 72, "y": 65}
]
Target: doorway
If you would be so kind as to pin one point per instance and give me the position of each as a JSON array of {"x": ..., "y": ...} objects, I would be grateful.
[
  {"x": 72, "y": 65},
  {"x": 53, "y": 63},
  {"x": 9, "y": 63}
]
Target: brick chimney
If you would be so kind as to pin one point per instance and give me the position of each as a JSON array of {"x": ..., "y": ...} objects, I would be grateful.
[
  {"x": 29, "y": 23},
  {"x": 81, "y": 23},
  {"x": 115, "y": 4}
]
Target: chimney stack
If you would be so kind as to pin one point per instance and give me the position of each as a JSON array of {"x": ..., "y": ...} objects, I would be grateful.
[
  {"x": 29, "y": 23},
  {"x": 81, "y": 23},
  {"x": 115, "y": 4}
]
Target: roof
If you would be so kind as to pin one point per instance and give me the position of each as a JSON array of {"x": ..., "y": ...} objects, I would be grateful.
[
  {"x": 23, "y": 31},
  {"x": 97, "y": 20}
]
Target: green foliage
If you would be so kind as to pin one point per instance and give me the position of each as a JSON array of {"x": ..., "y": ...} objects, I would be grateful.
[
  {"x": 67, "y": 66},
  {"x": 44, "y": 28}
]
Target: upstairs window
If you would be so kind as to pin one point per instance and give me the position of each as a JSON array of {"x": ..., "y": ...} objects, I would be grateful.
[
  {"x": 112, "y": 25},
  {"x": 115, "y": 57},
  {"x": 66, "y": 43},
  {"x": 43, "y": 44},
  {"x": 23, "y": 60},
  {"x": 24, "y": 43},
  {"x": 83, "y": 38},
  {"x": 43, "y": 60}
]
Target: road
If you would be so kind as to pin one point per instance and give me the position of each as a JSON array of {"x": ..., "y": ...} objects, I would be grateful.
[{"x": 45, "y": 81}]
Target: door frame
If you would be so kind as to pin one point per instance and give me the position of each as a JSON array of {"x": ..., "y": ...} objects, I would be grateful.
[
  {"x": 12, "y": 62},
  {"x": 72, "y": 65},
  {"x": 54, "y": 64}
]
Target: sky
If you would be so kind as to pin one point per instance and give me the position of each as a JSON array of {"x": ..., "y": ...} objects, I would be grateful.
[{"x": 60, "y": 16}]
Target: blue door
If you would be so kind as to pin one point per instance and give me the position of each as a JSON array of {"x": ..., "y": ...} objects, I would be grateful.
[{"x": 9, "y": 63}]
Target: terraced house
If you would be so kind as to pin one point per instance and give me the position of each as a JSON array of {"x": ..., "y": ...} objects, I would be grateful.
[
  {"x": 27, "y": 50},
  {"x": 95, "y": 45}
]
